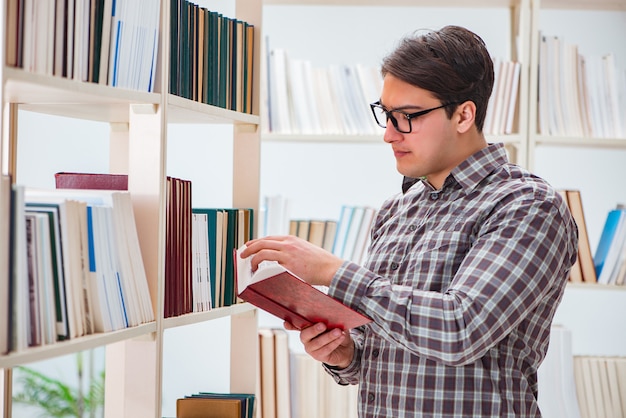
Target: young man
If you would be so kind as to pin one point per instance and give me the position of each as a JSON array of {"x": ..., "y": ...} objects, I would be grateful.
[{"x": 466, "y": 266}]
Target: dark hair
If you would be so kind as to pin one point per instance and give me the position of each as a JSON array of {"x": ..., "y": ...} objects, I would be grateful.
[{"x": 452, "y": 63}]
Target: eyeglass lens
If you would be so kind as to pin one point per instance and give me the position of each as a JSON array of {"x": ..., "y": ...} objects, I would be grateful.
[{"x": 398, "y": 119}]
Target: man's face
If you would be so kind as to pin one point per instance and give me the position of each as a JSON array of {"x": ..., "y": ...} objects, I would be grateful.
[{"x": 430, "y": 148}]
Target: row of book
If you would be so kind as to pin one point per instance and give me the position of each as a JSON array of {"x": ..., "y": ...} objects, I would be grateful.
[
  {"x": 100, "y": 41},
  {"x": 607, "y": 265},
  {"x": 580, "y": 386},
  {"x": 211, "y": 57},
  {"x": 75, "y": 267},
  {"x": 302, "y": 99},
  {"x": 216, "y": 405},
  {"x": 293, "y": 384},
  {"x": 199, "y": 264},
  {"x": 347, "y": 237},
  {"x": 600, "y": 385},
  {"x": 579, "y": 95},
  {"x": 221, "y": 230}
]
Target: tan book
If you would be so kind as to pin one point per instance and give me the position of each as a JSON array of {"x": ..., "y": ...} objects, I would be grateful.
[
  {"x": 198, "y": 407},
  {"x": 575, "y": 274},
  {"x": 316, "y": 232},
  {"x": 585, "y": 256}
]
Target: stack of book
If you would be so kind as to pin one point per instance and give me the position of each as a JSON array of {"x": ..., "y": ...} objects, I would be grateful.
[
  {"x": 106, "y": 41},
  {"x": 579, "y": 95},
  {"x": 76, "y": 267}
]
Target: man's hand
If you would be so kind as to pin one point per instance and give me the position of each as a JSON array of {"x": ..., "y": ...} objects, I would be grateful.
[
  {"x": 333, "y": 347},
  {"x": 308, "y": 261}
]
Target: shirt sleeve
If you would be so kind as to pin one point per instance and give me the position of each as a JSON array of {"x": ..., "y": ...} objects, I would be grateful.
[{"x": 518, "y": 263}]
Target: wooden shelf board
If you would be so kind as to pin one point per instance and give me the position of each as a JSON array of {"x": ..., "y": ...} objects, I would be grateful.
[
  {"x": 617, "y": 143},
  {"x": 181, "y": 110},
  {"x": 584, "y": 4},
  {"x": 74, "y": 345},
  {"x": 413, "y": 3},
  {"x": 198, "y": 317},
  {"x": 340, "y": 138},
  {"x": 64, "y": 97}
]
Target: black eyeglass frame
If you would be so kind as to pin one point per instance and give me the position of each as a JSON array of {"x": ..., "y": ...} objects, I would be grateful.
[{"x": 408, "y": 116}]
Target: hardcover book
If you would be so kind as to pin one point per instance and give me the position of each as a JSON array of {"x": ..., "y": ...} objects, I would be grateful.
[
  {"x": 280, "y": 292},
  {"x": 95, "y": 181}
]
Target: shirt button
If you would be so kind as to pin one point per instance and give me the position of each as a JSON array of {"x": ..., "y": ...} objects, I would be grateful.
[
  {"x": 434, "y": 196},
  {"x": 375, "y": 353},
  {"x": 394, "y": 266},
  {"x": 412, "y": 228},
  {"x": 370, "y": 397}
]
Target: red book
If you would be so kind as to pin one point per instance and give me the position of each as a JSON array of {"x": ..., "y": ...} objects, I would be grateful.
[
  {"x": 94, "y": 181},
  {"x": 278, "y": 291}
]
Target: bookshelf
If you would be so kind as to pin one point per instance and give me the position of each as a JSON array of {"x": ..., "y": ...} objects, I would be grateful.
[
  {"x": 593, "y": 313},
  {"x": 374, "y": 29},
  {"x": 138, "y": 143},
  {"x": 589, "y": 164}
]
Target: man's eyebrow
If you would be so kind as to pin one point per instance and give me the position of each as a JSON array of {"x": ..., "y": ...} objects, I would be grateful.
[{"x": 403, "y": 107}]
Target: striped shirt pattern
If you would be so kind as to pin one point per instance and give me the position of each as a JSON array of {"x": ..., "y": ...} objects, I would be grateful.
[{"x": 462, "y": 284}]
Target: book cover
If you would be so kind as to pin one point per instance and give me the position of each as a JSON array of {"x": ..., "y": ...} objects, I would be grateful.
[
  {"x": 280, "y": 292},
  {"x": 196, "y": 407},
  {"x": 94, "y": 181},
  {"x": 584, "y": 249}
]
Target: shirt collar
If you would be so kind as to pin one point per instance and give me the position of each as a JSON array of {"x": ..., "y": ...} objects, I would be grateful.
[{"x": 472, "y": 171}]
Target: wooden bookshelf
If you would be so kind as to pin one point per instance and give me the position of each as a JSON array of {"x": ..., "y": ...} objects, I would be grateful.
[{"x": 138, "y": 147}]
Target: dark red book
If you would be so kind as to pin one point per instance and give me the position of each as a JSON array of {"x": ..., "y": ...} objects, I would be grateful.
[
  {"x": 278, "y": 291},
  {"x": 94, "y": 181}
]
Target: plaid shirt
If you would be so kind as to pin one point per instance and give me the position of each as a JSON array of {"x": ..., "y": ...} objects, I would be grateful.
[{"x": 462, "y": 284}]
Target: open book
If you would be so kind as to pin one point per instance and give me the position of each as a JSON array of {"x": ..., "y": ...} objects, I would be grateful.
[{"x": 278, "y": 291}]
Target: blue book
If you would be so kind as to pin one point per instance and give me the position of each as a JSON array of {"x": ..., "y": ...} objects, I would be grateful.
[{"x": 606, "y": 238}]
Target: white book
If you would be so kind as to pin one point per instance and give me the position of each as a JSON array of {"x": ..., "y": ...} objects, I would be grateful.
[
  {"x": 571, "y": 99},
  {"x": 298, "y": 94},
  {"x": 352, "y": 233},
  {"x": 489, "y": 116},
  {"x": 513, "y": 99},
  {"x": 328, "y": 107},
  {"x": 615, "y": 111},
  {"x": 107, "y": 22},
  {"x": 5, "y": 228},
  {"x": 20, "y": 313},
  {"x": 504, "y": 94},
  {"x": 76, "y": 319},
  {"x": 342, "y": 230},
  {"x": 371, "y": 84},
  {"x": 363, "y": 236},
  {"x": 544, "y": 97},
  {"x": 195, "y": 261},
  {"x": 45, "y": 279},
  {"x": 282, "y": 373},
  {"x": 280, "y": 114},
  {"x": 123, "y": 207}
]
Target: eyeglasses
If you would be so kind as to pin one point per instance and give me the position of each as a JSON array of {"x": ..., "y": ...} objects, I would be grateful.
[{"x": 400, "y": 120}]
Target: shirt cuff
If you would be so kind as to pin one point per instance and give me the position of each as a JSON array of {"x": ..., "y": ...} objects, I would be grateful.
[
  {"x": 350, "y": 284},
  {"x": 344, "y": 376}
]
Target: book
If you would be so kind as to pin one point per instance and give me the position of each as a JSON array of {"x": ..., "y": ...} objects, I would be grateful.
[
  {"x": 216, "y": 405},
  {"x": 267, "y": 372},
  {"x": 280, "y": 292},
  {"x": 5, "y": 255},
  {"x": 610, "y": 245},
  {"x": 282, "y": 373},
  {"x": 95, "y": 181},
  {"x": 585, "y": 258}
]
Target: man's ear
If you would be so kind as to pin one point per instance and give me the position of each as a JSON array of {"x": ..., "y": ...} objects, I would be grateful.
[{"x": 466, "y": 116}]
